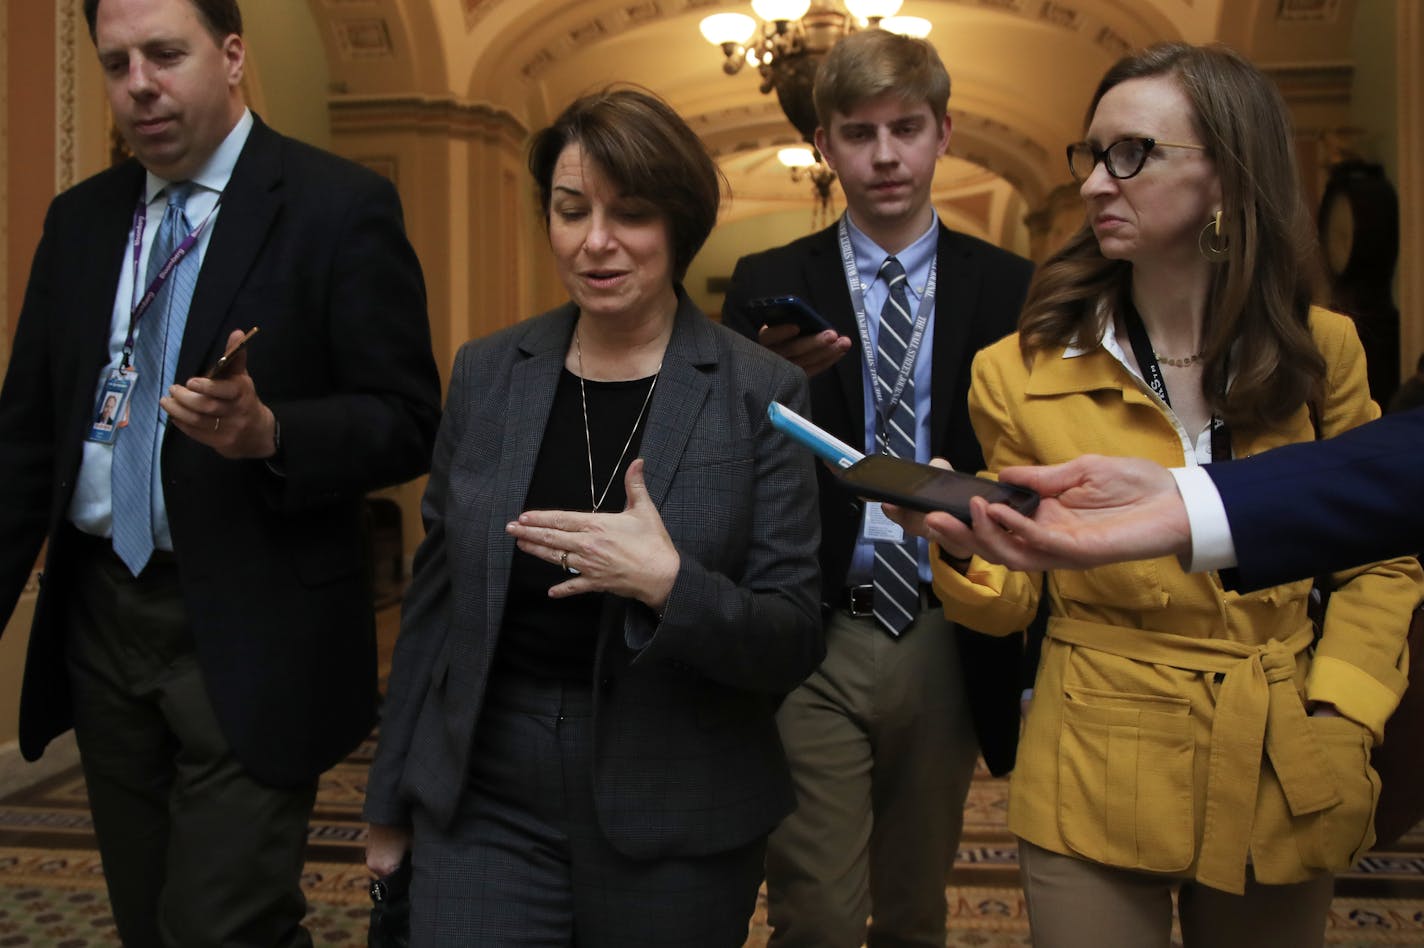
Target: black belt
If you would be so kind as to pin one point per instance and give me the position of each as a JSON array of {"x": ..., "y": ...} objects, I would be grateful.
[
  {"x": 89, "y": 545},
  {"x": 859, "y": 601}
]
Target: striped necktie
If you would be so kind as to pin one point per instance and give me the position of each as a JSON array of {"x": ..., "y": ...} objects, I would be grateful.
[
  {"x": 897, "y": 572},
  {"x": 134, "y": 482}
]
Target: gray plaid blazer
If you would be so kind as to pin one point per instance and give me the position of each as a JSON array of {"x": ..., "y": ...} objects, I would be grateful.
[{"x": 687, "y": 759}]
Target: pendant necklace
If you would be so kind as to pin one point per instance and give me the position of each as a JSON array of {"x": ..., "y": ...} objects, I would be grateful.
[{"x": 593, "y": 497}]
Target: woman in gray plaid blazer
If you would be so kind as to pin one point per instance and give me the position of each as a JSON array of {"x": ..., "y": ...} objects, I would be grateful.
[{"x": 617, "y": 586}]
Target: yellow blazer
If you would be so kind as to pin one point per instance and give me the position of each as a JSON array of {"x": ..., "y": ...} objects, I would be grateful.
[{"x": 1161, "y": 696}]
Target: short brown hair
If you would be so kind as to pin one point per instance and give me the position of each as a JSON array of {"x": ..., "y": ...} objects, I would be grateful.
[
  {"x": 221, "y": 17},
  {"x": 647, "y": 151},
  {"x": 869, "y": 63},
  {"x": 1259, "y": 297}
]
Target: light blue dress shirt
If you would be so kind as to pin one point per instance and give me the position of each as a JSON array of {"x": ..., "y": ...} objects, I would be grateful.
[
  {"x": 90, "y": 508},
  {"x": 917, "y": 260}
]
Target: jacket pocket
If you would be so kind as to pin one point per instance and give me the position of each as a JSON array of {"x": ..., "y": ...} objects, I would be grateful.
[
  {"x": 1125, "y": 779},
  {"x": 1335, "y": 838}
]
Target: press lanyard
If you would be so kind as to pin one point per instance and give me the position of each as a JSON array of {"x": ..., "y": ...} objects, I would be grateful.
[
  {"x": 161, "y": 277},
  {"x": 1147, "y": 362},
  {"x": 884, "y": 406}
]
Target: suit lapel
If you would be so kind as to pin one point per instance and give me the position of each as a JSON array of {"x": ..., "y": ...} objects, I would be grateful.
[
  {"x": 249, "y": 206},
  {"x": 829, "y": 295},
  {"x": 683, "y": 387},
  {"x": 533, "y": 380},
  {"x": 957, "y": 294}
]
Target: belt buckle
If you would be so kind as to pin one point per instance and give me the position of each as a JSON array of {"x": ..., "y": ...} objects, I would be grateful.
[{"x": 860, "y": 600}]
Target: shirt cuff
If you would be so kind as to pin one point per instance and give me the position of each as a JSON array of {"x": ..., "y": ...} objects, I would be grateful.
[{"x": 1212, "y": 546}]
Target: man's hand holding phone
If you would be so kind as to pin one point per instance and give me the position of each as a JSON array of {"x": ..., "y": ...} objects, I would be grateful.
[
  {"x": 221, "y": 409},
  {"x": 812, "y": 354},
  {"x": 948, "y": 532},
  {"x": 792, "y": 329}
]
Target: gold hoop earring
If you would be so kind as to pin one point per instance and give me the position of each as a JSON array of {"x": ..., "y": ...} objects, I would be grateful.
[{"x": 1213, "y": 244}]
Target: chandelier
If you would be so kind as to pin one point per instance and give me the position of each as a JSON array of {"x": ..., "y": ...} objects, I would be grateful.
[
  {"x": 787, "y": 43},
  {"x": 806, "y": 165}
]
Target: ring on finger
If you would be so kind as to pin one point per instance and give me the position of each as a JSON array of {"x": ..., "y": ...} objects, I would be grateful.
[
  {"x": 564, "y": 562},
  {"x": 217, "y": 423}
]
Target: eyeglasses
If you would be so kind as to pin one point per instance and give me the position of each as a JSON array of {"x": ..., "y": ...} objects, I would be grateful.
[{"x": 1123, "y": 158}]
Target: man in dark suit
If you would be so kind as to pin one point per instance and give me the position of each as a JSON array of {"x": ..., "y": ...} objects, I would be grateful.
[
  {"x": 882, "y": 737},
  {"x": 1296, "y": 511},
  {"x": 204, "y": 620}
]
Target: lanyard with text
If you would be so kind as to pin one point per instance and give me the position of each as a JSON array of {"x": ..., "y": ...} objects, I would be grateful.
[
  {"x": 161, "y": 277},
  {"x": 884, "y": 405},
  {"x": 1147, "y": 362}
]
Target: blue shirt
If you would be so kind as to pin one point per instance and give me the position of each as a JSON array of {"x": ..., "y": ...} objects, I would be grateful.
[
  {"x": 917, "y": 260},
  {"x": 90, "y": 509}
]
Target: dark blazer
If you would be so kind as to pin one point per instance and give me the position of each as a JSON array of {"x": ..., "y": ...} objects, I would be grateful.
[
  {"x": 686, "y": 754},
  {"x": 312, "y": 249},
  {"x": 980, "y": 291},
  {"x": 1316, "y": 507}
]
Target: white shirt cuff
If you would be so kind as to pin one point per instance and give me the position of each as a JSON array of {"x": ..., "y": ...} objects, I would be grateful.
[{"x": 1212, "y": 546}]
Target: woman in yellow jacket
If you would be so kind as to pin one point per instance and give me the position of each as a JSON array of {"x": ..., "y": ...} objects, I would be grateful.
[{"x": 1181, "y": 736}]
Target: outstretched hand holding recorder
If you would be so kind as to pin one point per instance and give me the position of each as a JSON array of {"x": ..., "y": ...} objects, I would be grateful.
[{"x": 897, "y": 480}]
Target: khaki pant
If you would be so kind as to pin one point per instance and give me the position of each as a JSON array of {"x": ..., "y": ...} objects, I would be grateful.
[
  {"x": 1074, "y": 903},
  {"x": 882, "y": 753}
]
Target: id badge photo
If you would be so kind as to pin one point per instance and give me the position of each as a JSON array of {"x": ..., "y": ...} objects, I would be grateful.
[{"x": 111, "y": 410}]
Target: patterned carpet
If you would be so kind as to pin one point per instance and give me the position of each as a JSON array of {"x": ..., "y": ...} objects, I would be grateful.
[{"x": 52, "y": 887}]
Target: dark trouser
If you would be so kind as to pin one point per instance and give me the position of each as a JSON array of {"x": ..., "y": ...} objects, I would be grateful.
[
  {"x": 195, "y": 851},
  {"x": 526, "y": 864},
  {"x": 882, "y": 751}
]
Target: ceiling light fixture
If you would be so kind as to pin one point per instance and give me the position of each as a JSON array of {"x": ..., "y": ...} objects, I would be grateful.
[{"x": 786, "y": 44}]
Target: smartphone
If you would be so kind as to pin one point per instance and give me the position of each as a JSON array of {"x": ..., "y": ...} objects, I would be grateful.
[
  {"x": 219, "y": 368},
  {"x": 922, "y": 487},
  {"x": 780, "y": 310}
]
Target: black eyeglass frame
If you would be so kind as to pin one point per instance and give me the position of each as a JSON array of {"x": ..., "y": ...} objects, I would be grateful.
[{"x": 1105, "y": 155}]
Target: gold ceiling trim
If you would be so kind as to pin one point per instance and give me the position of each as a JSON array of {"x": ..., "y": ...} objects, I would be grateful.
[
  {"x": 1313, "y": 83},
  {"x": 353, "y": 113}
]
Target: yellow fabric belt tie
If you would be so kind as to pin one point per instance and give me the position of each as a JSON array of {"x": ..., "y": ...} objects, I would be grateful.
[{"x": 1257, "y": 706}]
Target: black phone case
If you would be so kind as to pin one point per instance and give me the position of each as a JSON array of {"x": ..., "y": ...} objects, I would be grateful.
[
  {"x": 780, "y": 310},
  {"x": 925, "y": 488}
]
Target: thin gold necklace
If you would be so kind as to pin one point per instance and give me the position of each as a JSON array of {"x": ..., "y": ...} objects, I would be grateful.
[{"x": 595, "y": 498}]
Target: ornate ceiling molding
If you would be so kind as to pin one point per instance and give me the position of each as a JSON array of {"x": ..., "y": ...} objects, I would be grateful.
[
  {"x": 1073, "y": 17},
  {"x": 1313, "y": 83},
  {"x": 596, "y": 28},
  {"x": 1312, "y": 11},
  {"x": 363, "y": 39},
  {"x": 350, "y": 113}
]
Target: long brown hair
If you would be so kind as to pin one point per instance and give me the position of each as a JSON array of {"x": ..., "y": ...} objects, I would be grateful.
[{"x": 1259, "y": 296}]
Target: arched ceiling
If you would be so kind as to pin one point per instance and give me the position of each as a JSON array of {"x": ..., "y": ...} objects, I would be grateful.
[{"x": 1022, "y": 70}]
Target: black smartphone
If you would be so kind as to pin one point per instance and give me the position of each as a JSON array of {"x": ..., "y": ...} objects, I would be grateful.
[
  {"x": 922, "y": 487},
  {"x": 780, "y": 310},
  {"x": 219, "y": 368}
]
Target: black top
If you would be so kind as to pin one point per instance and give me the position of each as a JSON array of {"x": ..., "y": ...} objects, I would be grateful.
[{"x": 556, "y": 638}]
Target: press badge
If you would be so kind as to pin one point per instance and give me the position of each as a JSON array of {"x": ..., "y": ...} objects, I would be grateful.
[
  {"x": 879, "y": 528},
  {"x": 111, "y": 411}
]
